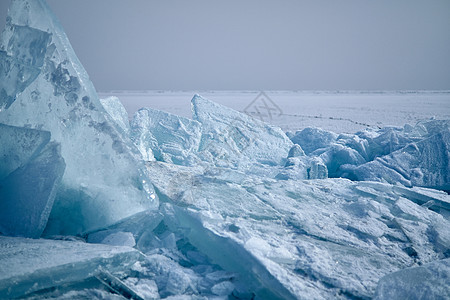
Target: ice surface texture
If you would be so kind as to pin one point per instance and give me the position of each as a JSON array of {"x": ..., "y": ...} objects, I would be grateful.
[
  {"x": 235, "y": 140},
  {"x": 412, "y": 156},
  {"x": 315, "y": 239},
  {"x": 430, "y": 281},
  {"x": 44, "y": 86},
  {"x": 168, "y": 137},
  {"x": 218, "y": 136},
  {"x": 28, "y": 265},
  {"x": 31, "y": 168}
]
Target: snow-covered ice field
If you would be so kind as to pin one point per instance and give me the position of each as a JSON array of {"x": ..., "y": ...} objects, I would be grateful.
[{"x": 341, "y": 111}]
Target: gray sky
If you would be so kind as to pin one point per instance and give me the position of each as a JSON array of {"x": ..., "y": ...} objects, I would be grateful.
[{"x": 260, "y": 45}]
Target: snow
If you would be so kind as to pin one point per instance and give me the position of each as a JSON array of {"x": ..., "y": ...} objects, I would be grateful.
[
  {"x": 336, "y": 111},
  {"x": 219, "y": 201}
]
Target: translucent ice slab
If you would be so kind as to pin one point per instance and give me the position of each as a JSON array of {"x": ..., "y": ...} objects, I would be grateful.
[
  {"x": 28, "y": 265},
  {"x": 30, "y": 173},
  {"x": 44, "y": 86},
  {"x": 430, "y": 281}
]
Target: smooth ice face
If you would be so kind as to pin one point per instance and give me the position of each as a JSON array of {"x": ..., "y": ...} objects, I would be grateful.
[
  {"x": 44, "y": 86},
  {"x": 430, "y": 281},
  {"x": 28, "y": 265},
  {"x": 18, "y": 146},
  {"x": 236, "y": 140},
  {"x": 117, "y": 111},
  {"x": 170, "y": 138},
  {"x": 31, "y": 171}
]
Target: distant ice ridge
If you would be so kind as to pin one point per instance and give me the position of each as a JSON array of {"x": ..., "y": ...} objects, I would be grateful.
[
  {"x": 412, "y": 156},
  {"x": 43, "y": 86}
]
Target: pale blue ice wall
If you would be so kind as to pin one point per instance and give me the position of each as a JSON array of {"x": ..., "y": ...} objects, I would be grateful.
[{"x": 44, "y": 86}]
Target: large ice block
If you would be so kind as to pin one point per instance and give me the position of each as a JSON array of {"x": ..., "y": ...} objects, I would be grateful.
[
  {"x": 117, "y": 111},
  {"x": 311, "y": 138},
  {"x": 27, "y": 265},
  {"x": 31, "y": 169},
  {"x": 170, "y": 138},
  {"x": 430, "y": 281},
  {"x": 306, "y": 239},
  {"x": 233, "y": 139},
  {"x": 425, "y": 163},
  {"x": 18, "y": 146},
  {"x": 47, "y": 88}
]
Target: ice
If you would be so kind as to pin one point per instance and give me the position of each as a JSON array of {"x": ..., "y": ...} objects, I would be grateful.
[
  {"x": 245, "y": 212},
  {"x": 170, "y": 138},
  {"x": 425, "y": 163},
  {"x": 413, "y": 155},
  {"x": 18, "y": 146},
  {"x": 113, "y": 238},
  {"x": 318, "y": 238},
  {"x": 44, "y": 86},
  {"x": 31, "y": 169},
  {"x": 115, "y": 109},
  {"x": 236, "y": 140},
  {"x": 28, "y": 266},
  {"x": 429, "y": 281},
  {"x": 311, "y": 139}
]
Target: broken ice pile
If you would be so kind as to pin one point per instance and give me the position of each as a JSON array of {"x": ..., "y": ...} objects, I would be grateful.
[
  {"x": 245, "y": 211},
  {"x": 412, "y": 156}
]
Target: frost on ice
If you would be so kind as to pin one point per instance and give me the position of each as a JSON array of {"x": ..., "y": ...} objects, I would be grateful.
[
  {"x": 246, "y": 210},
  {"x": 44, "y": 86}
]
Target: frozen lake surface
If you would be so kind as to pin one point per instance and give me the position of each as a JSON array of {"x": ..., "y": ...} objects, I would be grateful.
[{"x": 340, "y": 111}]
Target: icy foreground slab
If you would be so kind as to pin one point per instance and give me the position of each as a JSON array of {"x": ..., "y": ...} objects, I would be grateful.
[
  {"x": 430, "y": 281},
  {"x": 31, "y": 169},
  {"x": 28, "y": 265},
  {"x": 236, "y": 140},
  {"x": 314, "y": 239},
  {"x": 44, "y": 86}
]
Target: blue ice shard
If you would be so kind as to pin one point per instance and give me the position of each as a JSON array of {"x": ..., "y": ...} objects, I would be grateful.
[
  {"x": 44, "y": 86},
  {"x": 31, "y": 168},
  {"x": 28, "y": 266},
  {"x": 117, "y": 111}
]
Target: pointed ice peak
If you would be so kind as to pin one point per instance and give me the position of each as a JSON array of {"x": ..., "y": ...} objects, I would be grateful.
[
  {"x": 234, "y": 139},
  {"x": 44, "y": 86}
]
